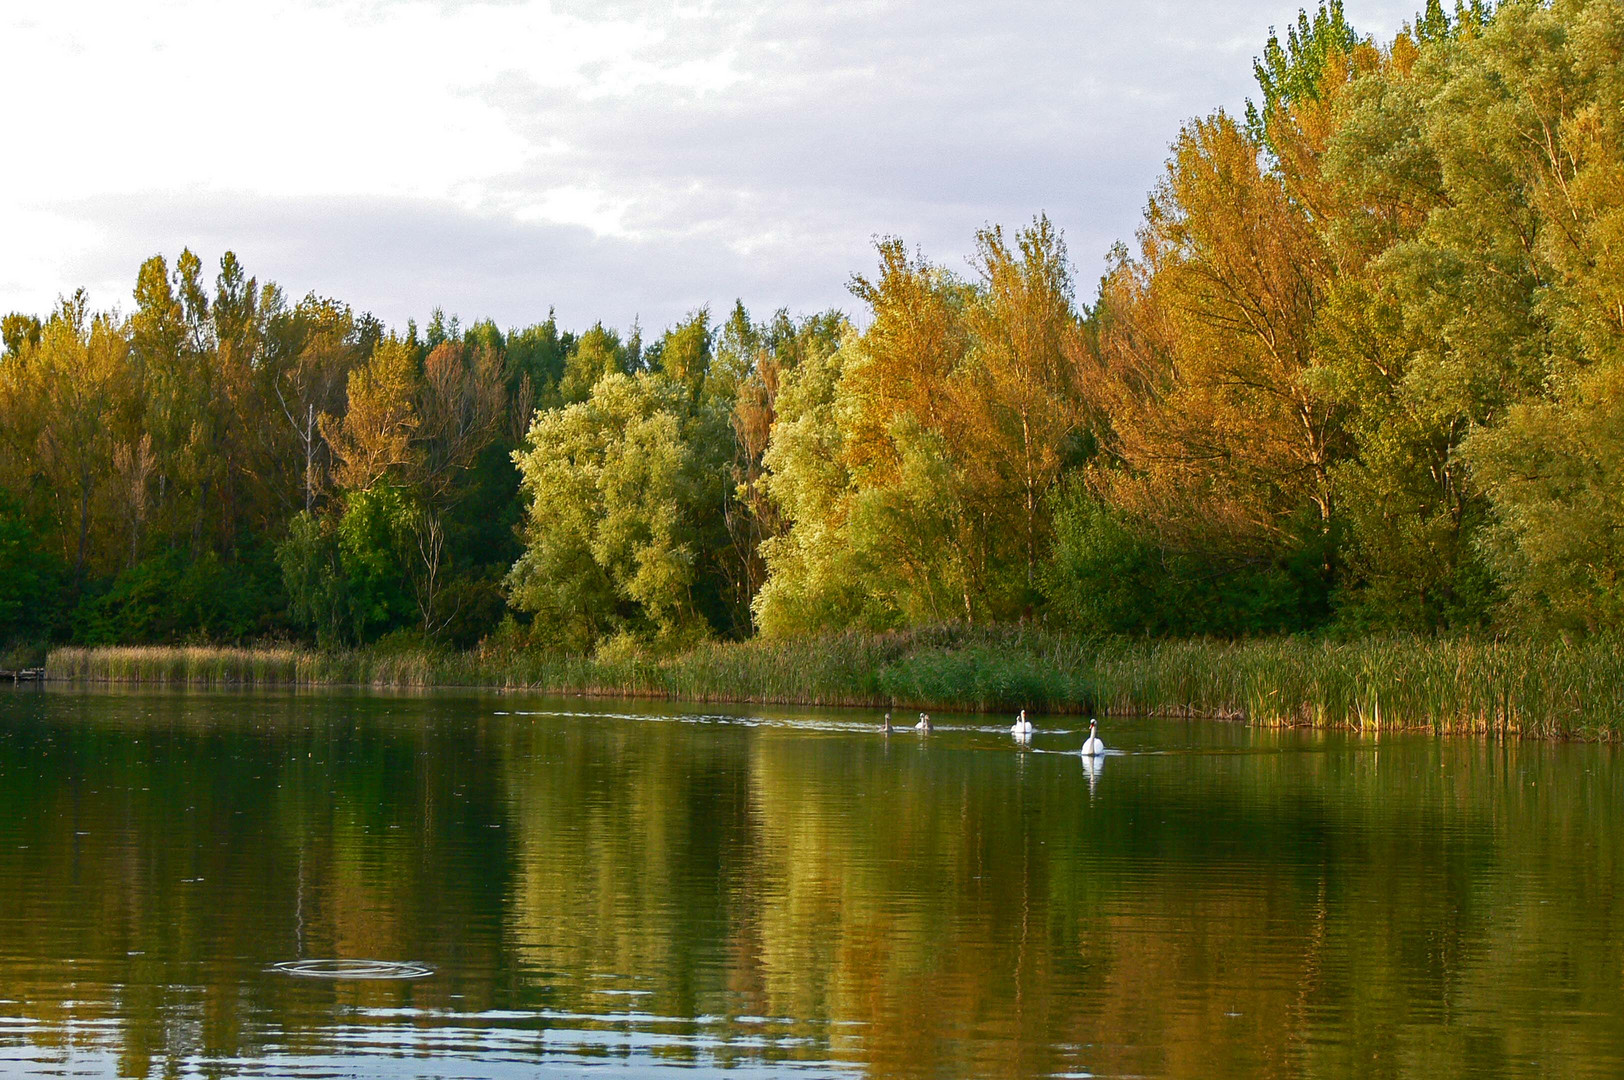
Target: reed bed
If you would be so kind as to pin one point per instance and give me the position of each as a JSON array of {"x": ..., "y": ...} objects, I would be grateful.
[{"x": 1543, "y": 689}]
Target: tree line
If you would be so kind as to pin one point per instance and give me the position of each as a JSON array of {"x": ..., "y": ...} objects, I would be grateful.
[{"x": 1360, "y": 371}]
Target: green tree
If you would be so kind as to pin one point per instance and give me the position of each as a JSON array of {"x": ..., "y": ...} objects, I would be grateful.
[
  {"x": 1548, "y": 460},
  {"x": 313, "y": 577},
  {"x": 624, "y": 502},
  {"x": 815, "y": 579},
  {"x": 1295, "y": 72},
  {"x": 597, "y": 353},
  {"x": 1456, "y": 173},
  {"x": 375, "y": 538},
  {"x": 752, "y": 363},
  {"x": 30, "y": 576}
]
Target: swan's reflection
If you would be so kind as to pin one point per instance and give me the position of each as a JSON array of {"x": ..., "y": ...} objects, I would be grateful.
[{"x": 1093, "y": 765}]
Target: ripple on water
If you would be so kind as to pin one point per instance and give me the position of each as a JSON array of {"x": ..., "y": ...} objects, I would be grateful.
[{"x": 352, "y": 969}]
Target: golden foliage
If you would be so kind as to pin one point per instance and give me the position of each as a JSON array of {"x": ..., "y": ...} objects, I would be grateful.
[{"x": 1205, "y": 359}]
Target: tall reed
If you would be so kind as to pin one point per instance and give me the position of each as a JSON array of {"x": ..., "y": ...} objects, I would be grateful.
[{"x": 1531, "y": 688}]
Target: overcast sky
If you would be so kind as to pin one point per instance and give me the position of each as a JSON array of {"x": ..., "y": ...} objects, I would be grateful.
[{"x": 610, "y": 159}]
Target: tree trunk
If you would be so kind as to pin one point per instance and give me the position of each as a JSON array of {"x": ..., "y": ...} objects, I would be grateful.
[
  {"x": 310, "y": 457},
  {"x": 85, "y": 481}
]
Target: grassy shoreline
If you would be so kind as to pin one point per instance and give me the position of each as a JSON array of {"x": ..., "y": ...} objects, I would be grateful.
[{"x": 1547, "y": 689}]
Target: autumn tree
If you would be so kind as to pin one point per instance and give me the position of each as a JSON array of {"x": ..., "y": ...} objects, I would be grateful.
[
  {"x": 912, "y": 466},
  {"x": 79, "y": 371},
  {"x": 1024, "y": 403},
  {"x": 311, "y": 349},
  {"x": 372, "y": 440},
  {"x": 462, "y": 406},
  {"x": 1206, "y": 366},
  {"x": 17, "y": 332}
]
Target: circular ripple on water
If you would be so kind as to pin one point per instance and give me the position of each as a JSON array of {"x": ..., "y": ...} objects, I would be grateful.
[{"x": 352, "y": 969}]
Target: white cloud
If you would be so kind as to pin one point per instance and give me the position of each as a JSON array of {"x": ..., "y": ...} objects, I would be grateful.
[{"x": 613, "y": 158}]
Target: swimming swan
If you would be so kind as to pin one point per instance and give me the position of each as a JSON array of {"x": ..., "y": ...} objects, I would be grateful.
[
  {"x": 1022, "y": 726},
  {"x": 1093, "y": 747},
  {"x": 885, "y": 726},
  {"x": 924, "y": 722}
]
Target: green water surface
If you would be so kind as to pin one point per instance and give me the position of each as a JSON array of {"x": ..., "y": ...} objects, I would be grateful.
[{"x": 648, "y": 890}]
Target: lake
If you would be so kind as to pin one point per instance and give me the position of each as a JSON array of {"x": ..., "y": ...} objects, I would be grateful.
[{"x": 652, "y": 890}]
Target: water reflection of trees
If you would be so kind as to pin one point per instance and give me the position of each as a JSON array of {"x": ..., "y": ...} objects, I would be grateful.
[
  {"x": 165, "y": 855},
  {"x": 942, "y": 912},
  {"x": 1414, "y": 909}
]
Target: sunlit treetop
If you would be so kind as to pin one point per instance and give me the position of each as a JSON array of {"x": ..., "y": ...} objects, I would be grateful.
[{"x": 1292, "y": 72}]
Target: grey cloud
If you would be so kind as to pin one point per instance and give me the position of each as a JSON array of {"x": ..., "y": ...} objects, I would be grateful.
[
  {"x": 921, "y": 119},
  {"x": 844, "y": 122},
  {"x": 400, "y": 258}
]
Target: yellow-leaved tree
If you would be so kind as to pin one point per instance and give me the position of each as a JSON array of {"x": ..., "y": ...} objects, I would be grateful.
[
  {"x": 1205, "y": 363},
  {"x": 911, "y": 465}
]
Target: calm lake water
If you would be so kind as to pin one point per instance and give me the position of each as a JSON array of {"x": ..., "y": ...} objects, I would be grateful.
[{"x": 652, "y": 890}]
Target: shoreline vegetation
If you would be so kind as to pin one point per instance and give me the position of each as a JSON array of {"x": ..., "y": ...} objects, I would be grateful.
[
  {"x": 1533, "y": 689},
  {"x": 1334, "y": 442}
]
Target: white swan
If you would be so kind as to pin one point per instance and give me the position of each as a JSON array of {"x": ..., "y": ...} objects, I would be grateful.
[
  {"x": 1022, "y": 726},
  {"x": 924, "y": 722},
  {"x": 1093, "y": 747}
]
